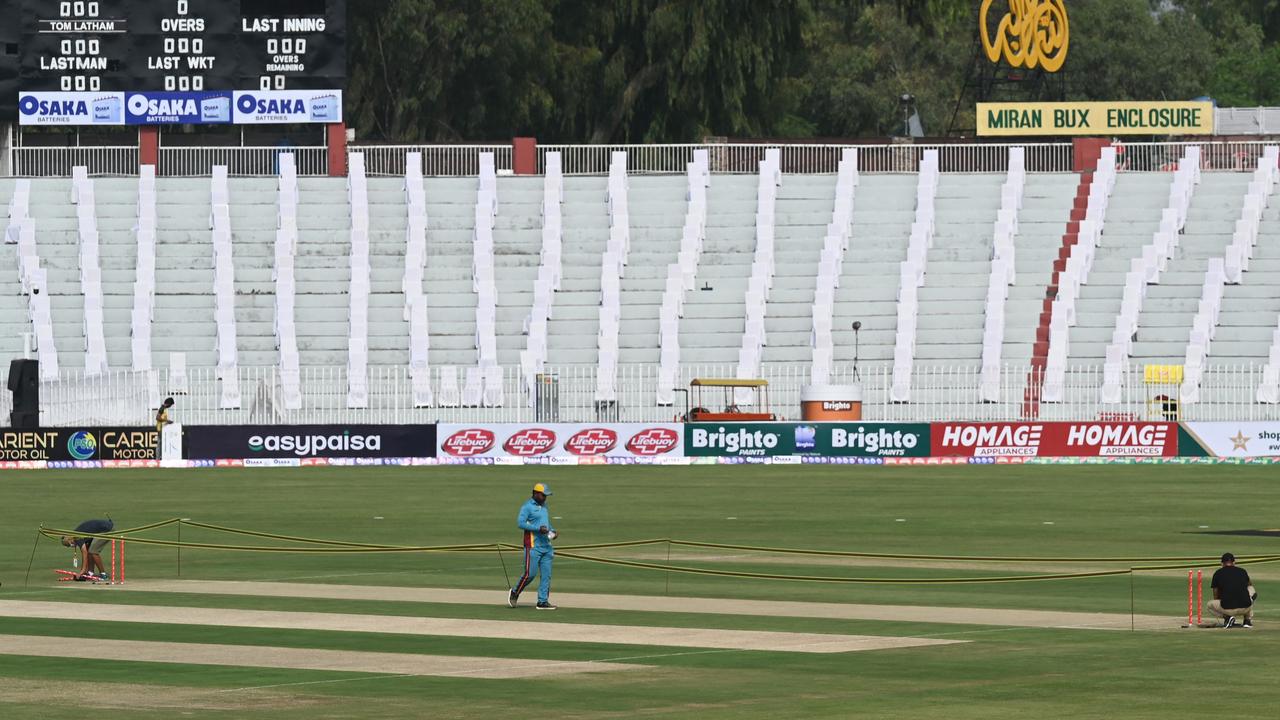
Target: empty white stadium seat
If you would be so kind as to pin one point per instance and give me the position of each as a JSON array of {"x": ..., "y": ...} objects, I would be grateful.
[
  {"x": 1075, "y": 274},
  {"x": 912, "y": 276},
  {"x": 1147, "y": 268},
  {"x": 830, "y": 267},
  {"x": 1003, "y": 274},
  {"x": 761, "y": 279}
]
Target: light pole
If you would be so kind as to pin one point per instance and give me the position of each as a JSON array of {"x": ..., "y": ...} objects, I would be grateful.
[{"x": 857, "y": 325}]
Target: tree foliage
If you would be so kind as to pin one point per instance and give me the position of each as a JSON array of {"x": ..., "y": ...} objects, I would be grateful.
[{"x": 681, "y": 70}]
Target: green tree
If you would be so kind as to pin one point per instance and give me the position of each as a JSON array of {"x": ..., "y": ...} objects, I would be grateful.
[
  {"x": 675, "y": 70},
  {"x": 864, "y": 57},
  {"x": 1220, "y": 15},
  {"x": 449, "y": 70},
  {"x": 1125, "y": 50},
  {"x": 1246, "y": 59},
  {"x": 680, "y": 70},
  {"x": 620, "y": 71}
]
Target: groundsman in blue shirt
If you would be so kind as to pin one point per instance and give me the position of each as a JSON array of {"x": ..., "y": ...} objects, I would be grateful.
[{"x": 535, "y": 521}]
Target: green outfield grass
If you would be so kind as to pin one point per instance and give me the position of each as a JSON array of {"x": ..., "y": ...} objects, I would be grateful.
[{"x": 1002, "y": 672}]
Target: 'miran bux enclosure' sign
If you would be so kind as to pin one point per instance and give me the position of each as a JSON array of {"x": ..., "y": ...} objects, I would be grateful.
[{"x": 1138, "y": 117}]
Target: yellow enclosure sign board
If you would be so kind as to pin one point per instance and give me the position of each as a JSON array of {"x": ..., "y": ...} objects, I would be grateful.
[
  {"x": 1162, "y": 374},
  {"x": 1138, "y": 117}
]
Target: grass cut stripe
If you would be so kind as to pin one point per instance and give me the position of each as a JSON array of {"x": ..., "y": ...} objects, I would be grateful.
[
  {"x": 298, "y": 658},
  {"x": 634, "y": 603},
  {"x": 512, "y": 630}
]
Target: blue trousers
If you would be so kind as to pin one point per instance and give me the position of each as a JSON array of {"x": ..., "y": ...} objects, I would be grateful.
[{"x": 537, "y": 563}]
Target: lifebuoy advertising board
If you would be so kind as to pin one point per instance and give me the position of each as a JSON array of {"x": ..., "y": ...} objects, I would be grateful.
[{"x": 567, "y": 443}]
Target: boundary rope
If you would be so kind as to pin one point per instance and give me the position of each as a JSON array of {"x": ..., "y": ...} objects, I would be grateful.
[{"x": 329, "y": 546}]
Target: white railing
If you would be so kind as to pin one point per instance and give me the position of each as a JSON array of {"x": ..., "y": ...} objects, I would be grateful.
[
  {"x": 1247, "y": 121},
  {"x": 240, "y": 161},
  {"x": 810, "y": 158},
  {"x": 938, "y": 393},
  {"x": 437, "y": 160},
  {"x": 1233, "y": 156},
  {"x": 58, "y": 161},
  {"x": 464, "y": 160}
]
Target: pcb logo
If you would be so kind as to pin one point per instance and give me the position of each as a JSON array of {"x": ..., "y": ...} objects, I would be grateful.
[
  {"x": 527, "y": 443},
  {"x": 594, "y": 441},
  {"x": 465, "y": 443},
  {"x": 653, "y": 441}
]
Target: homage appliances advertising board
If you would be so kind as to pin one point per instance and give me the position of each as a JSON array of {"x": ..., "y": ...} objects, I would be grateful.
[
  {"x": 301, "y": 442},
  {"x": 1055, "y": 439},
  {"x": 571, "y": 442}
]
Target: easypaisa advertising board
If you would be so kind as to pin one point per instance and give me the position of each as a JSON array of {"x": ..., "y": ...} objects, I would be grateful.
[
  {"x": 295, "y": 444},
  {"x": 559, "y": 443}
]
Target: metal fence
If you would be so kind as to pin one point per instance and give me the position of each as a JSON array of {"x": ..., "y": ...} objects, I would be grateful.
[
  {"x": 808, "y": 158},
  {"x": 1164, "y": 156},
  {"x": 568, "y": 395},
  {"x": 1247, "y": 121},
  {"x": 58, "y": 161},
  {"x": 464, "y": 160},
  {"x": 437, "y": 160},
  {"x": 240, "y": 161}
]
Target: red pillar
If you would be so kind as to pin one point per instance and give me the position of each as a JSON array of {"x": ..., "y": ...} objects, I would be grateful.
[
  {"x": 524, "y": 156},
  {"x": 1085, "y": 152},
  {"x": 337, "y": 144},
  {"x": 149, "y": 145}
]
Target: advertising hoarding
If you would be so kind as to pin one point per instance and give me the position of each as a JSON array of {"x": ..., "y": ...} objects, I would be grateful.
[
  {"x": 180, "y": 108},
  {"x": 581, "y": 443},
  {"x": 1235, "y": 439},
  {"x": 79, "y": 444},
  {"x": 1055, "y": 439},
  {"x": 300, "y": 442},
  {"x": 818, "y": 439}
]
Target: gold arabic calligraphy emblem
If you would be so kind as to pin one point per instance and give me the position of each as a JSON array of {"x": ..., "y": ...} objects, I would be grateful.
[{"x": 1034, "y": 33}]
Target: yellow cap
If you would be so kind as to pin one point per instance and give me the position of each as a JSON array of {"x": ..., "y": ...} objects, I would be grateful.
[{"x": 542, "y": 488}]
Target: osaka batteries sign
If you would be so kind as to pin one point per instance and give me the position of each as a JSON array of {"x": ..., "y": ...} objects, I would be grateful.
[
  {"x": 1055, "y": 439},
  {"x": 560, "y": 440},
  {"x": 180, "y": 108}
]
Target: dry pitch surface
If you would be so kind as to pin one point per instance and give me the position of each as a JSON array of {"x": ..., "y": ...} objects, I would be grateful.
[{"x": 418, "y": 664}]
